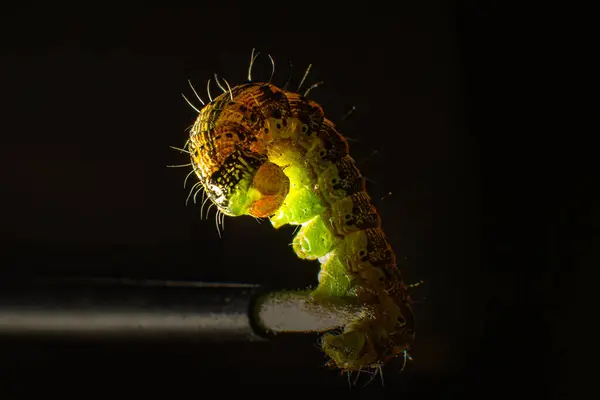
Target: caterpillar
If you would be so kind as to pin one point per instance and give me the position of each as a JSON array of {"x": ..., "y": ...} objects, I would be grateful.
[{"x": 269, "y": 152}]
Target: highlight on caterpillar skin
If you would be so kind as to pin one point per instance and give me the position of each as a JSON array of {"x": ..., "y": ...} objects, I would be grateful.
[{"x": 270, "y": 152}]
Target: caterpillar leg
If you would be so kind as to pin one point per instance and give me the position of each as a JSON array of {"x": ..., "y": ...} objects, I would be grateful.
[
  {"x": 314, "y": 240},
  {"x": 334, "y": 280},
  {"x": 301, "y": 204},
  {"x": 353, "y": 350}
]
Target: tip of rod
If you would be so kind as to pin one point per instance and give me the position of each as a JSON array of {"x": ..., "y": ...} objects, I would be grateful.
[{"x": 299, "y": 312}]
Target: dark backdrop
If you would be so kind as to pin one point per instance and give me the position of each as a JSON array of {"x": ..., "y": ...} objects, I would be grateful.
[{"x": 93, "y": 100}]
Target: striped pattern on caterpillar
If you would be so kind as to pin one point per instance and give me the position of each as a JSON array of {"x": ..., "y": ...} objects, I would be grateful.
[{"x": 263, "y": 151}]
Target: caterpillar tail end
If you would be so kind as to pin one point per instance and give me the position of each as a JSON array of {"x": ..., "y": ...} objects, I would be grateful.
[{"x": 370, "y": 342}]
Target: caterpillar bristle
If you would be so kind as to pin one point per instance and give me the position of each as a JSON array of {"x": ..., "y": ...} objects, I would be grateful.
[
  {"x": 196, "y": 93},
  {"x": 303, "y": 78},
  {"x": 219, "y": 83},
  {"x": 187, "y": 177},
  {"x": 180, "y": 149},
  {"x": 252, "y": 59},
  {"x": 316, "y": 85},
  {"x": 208, "y": 90},
  {"x": 272, "y": 69},
  {"x": 190, "y": 103},
  {"x": 348, "y": 114}
]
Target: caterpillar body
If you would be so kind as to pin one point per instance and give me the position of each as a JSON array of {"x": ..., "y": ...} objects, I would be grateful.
[{"x": 263, "y": 151}]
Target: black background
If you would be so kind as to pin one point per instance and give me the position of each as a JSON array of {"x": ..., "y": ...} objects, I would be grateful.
[{"x": 93, "y": 100}]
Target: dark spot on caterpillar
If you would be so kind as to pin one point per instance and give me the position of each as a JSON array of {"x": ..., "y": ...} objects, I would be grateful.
[
  {"x": 229, "y": 135},
  {"x": 349, "y": 220},
  {"x": 217, "y": 137},
  {"x": 276, "y": 114},
  {"x": 278, "y": 125},
  {"x": 266, "y": 130},
  {"x": 304, "y": 129},
  {"x": 363, "y": 256}
]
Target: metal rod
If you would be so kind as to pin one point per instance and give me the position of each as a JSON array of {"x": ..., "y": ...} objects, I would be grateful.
[
  {"x": 161, "y": 310},
  {"x": 126, "y": 309}
]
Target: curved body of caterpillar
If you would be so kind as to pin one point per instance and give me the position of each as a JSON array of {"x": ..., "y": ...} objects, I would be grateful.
[{"x": 261, "y": 151}]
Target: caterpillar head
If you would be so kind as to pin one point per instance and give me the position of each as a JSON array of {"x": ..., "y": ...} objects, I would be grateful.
[{"x": 245, "y": 184}]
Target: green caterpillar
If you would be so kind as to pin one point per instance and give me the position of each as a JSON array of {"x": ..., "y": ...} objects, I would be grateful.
[{"x": 267, "y": 152}]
